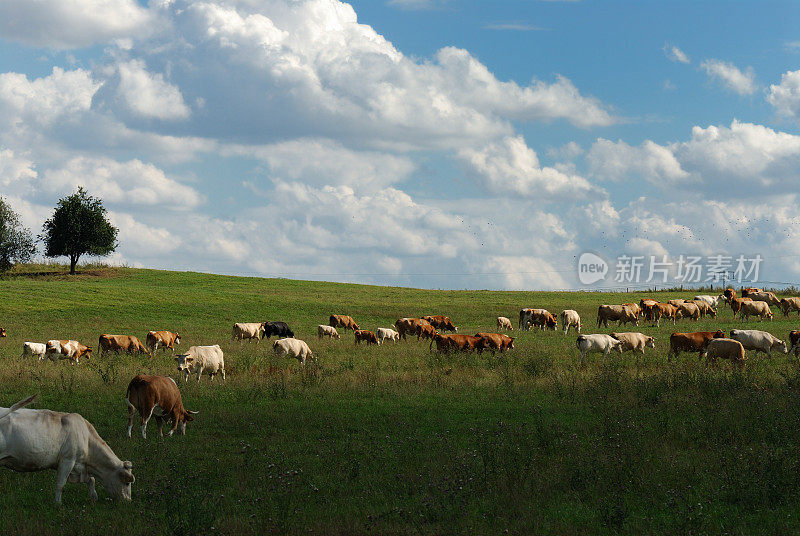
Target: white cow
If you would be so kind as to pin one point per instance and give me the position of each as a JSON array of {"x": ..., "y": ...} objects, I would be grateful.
[
  {"x": 570, "y": 318},
  {"x": 760, "y": 341},
  {"x": 66, "y": 349},
  {"x": 248, "y": 330},
  {"x": 291, "y": 347},
  {"x": 327, "y": 331},
  {"x": 37, "y": 349},
  {"x": 713, "y": 301},
  {"x": 597, "y": 343},
  {"x": 635, "y": 341},
  {"x": 755, "y": 308},
  {"x": 387, "y": 333},
  {"x": 200, "y": 358},
  {"x": 504, "y": 323},
  {"x": 38, "y": 439}
]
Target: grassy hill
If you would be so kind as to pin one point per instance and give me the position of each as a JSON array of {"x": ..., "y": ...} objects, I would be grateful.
[{"x": 397, "y": 439}]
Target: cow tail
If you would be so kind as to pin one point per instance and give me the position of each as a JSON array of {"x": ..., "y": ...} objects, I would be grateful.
[{"x": 18, "y": 405}]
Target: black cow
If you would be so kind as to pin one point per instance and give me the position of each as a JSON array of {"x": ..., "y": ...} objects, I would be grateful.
[{"x": 281, "y": 329}]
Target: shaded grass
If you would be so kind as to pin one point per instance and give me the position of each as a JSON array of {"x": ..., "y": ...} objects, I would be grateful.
[{"x": 396, "y": 439}]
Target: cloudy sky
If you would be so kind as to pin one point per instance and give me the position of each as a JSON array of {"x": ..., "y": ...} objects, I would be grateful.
[{"x": 429, "y": 143}]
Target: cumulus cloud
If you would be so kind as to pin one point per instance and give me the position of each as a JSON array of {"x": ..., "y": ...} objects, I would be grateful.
[
  {"x": 511, "y": 167},
  {"x": 675, "y": 54},
  {"x": 785, "y": 97},
  {"x": 16, "y": 172},
  {"x": 147, "y": 94},
  {"x": 72, "y": 23},
  {"x": 616, "y": 161},
  {"x": 730, "y": 76}
]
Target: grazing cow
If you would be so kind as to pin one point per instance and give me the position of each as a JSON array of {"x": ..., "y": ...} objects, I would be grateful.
[
  {"x": 665, "y": 310},
  {"x": 736, "y": 304},
  {"x": 755, "y": 308},
  {"x": 366, "y": 335},
  {"x": 760, "y": 341},
  {"x": 749, "y": 291},
  {"x": 292, "y": 347},
  {"x": 729, "y": 294},
  {"x": 409, "y": 326},
  {"x": 713, "y": 301},
  {"x": 634, "y": 341},
  {"x": 327, "y": 331},
  {"x": 121, "y": 343},
  {"x": 540, "y": 318},
  {"x": 496, "y": 341},
  {"x": 768, "y": 297},
  {"x": 425, "y": 331},
  {"x": 161, "y": 339},
  {"x": 157, "y": 396},
  {"x": 790, "y": 304},
  {"x": 647, "y": 306},
  {"x": 570, "y": 318},
  {"x": 794, "y": 340},
  {"x": 385, "y": 334},
  {"x": 466, "y": 343},
  {"x": 689, "y": 310},
  {"x": 440, "y": 322},
  {"x": 280, "y": 329},
  {"x": 504, "y": 323},
  {"x": 344, "y": 321},
  {"x": 34, "y": 349},
  {"x": 39, "y": 439},
  {"x": 620, "y": 313},
  {"x": 248, "y": 330},
  {"x": 200, "y": 358},
  {"x": 596, "y": 343},
  {"x": 705, "y": 308},
  {"x": 691, "y": 342},
  {"x": 72, "y": 350},
  {"x": 725, "y": 349}
]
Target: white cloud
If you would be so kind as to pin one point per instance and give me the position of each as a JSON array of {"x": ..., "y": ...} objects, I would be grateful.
[
  {"x": 785, "y": 97},
  {"x": 568, "y": 151},
  {"x": 149, "y": 95},
  {"x": 616, "y": 161},
  {"x": 16, "y": 173},
  {"x": 730, "y": 76},
  {"x": 123, "y": 183},
  {"x": 72, "y": 23},
  {"x": 510, "y": 167},
  {"x": 675, "y": 54}
]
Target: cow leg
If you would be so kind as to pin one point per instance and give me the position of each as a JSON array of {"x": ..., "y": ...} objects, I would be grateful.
[
  {"x": 65, "y": 467},
  {"x": 92, "y": 490},
  {"x": 131, "y": 411},
  {"x": 200, "y": 374},
  {"x": 145, "y": 421},
  {"x": 160, "y": 423}
]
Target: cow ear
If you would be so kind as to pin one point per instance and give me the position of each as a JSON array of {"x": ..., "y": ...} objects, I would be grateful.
[{"x": 126, "y": 476}]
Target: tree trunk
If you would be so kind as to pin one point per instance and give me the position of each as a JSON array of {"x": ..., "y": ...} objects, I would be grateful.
[{"x": 73, "y": 260}]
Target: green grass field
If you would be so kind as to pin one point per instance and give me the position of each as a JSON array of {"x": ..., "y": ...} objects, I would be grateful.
[{"x": 396, "y": 439}]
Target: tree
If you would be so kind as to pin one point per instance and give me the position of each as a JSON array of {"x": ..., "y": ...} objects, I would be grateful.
[
  {"x": 16, "y": 242},
  {"x": 78, "y": 227}
]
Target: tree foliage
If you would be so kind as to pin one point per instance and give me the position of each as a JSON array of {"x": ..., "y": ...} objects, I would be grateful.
[
  {"x": 79, "y": 227},
  {"x": 16, "y": 242}
]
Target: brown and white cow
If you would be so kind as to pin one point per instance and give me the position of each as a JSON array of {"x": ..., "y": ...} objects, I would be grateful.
[
  {"x": 159, "y": 397},
  {"x": 755, "y": 308},
  {"x": 504, "y": 323},
  {"x": 67, "y": 349},
  {"x": 440, "y": 322},
  {"x": 365, "y": 335},
  {"x": 539, "y": 318},
  {"x": 790, "y": 304},
  {"x": 691, "y": 342},
  {"x": 736, "y": 304},
  {"x": 496, "y": 341},
  {"x": 121, "y": 343},
  {"x": 410, "y": 326},
  {"x": 161, "y": 339},
  {"x": 344, "y": 321}
]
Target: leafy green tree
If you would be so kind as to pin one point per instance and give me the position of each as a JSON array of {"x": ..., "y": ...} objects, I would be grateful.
[
  {"x": 78, "y": 227},
  {"x": 16, "y": 242}
]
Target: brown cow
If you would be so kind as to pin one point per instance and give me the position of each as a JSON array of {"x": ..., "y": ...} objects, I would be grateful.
[
  {"x": 768, "y": 297},
  {"x": 736, "y": 304},
  {"x": 726, "y": 349},
  {"x": 440, "y": 322},
  {"x": 496, "y": 341},
  {"x": 67, "y": 349},
  {"x": 746, "y": 292},
  {"x": 790, "y": 304},
  {"x": 691, "y": 342},
  {"x": 676, "y": 301},
  {"x": 365, "y": 335},
  {"x": 425, "y": 331},
  {"x": 705, "y": 308},
  {"x": 794, "y": 341},
  {"x": 409, "y": 326},
  {"x": 646, "y": 306},
  {"x": 466, "y": 343},
  {"x": 442, "y": 342},
  {"x": 156, "y": 396},
  {"x": 665, "y": 310},
  {"x": 689, "y": 310},
  {"x": 344, "y": 321},
  {"x": 620, "y": 313},
  {"x": 729, "y": 294},
  {"x": 540, "y": 318},
  {"x": 161, "y": 339},
  {"x": 121, "y": 343}
]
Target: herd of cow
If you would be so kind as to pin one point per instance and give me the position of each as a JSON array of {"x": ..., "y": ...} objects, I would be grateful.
[{"x": 32, "y": 440}]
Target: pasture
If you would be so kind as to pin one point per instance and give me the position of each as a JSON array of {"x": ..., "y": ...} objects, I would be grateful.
[{"x": 397, "y": 439}]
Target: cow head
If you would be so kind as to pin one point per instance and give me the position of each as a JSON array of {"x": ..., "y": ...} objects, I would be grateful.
[
  {"x": 177, "y": 339},
  {"x": 185, "y": 363},
  {"x": 770, "y": 315},
  {"x": 719, "y": 334},
  {"x": 117, "y": 480},
  {"x": 184, "y": 418},
  {"x": 84, "y": 351},
  {"x": 511, "y": 343},
  {"x": 617, "y": 346},
  {"x": 712, "y": 312},
  {"x": 355, "y": 326},
  {"x": 650, "y": 342}
]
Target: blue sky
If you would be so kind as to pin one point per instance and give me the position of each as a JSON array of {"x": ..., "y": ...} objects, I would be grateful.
[{"x": 438, "y": 143}]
